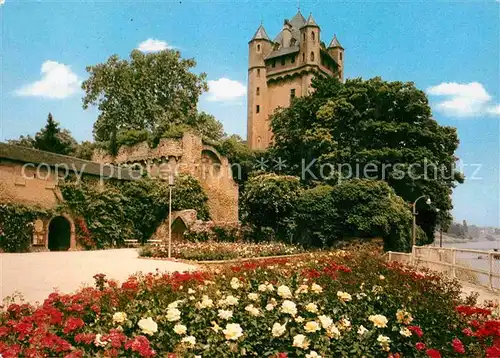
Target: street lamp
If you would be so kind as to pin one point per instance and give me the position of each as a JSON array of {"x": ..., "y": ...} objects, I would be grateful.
[
  {"x": 414, "y": 227},
  {"x": 171, "y": 179}
]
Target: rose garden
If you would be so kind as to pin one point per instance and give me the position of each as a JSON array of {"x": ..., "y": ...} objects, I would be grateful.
[{"x": 302, "y": 273}]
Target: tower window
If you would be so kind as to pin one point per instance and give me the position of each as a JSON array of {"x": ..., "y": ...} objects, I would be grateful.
[
  {"x": 304, "y": 36},
  {"x": 340, "y": 54},
  {"x": 292, "y": 93},
  {"x": 257, "y": 109},
  {"x": 312, "y": 56},
  {"x": 283, "y": 61},
  {"x": 258, "y": 72},
  {"x": 293, "y": 59},
  {"x": 303, "y": 57},
  {"x": 313, "y": 36},
  {"x": 273, "y": 64},
  {"x": 258, "y": 47},
  {"x": 258, "y": 91}
]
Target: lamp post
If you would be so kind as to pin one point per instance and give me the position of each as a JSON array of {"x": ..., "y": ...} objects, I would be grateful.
[
  {"x": 170, "y": 187},
  {"x": 440, "y": 228},
  {"x": 414, "y": 227}
]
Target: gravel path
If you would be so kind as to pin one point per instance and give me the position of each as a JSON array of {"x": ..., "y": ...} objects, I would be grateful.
[{"x": 35, "y": 275}]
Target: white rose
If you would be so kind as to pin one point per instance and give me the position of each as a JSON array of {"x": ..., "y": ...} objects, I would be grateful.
[
  {"x": 252, "y": 310},
  {"x": 119, "y": 317},
  {"x": 231, "y": 300},
  {"x": 180, "y": 329},
  {"x": 313, "y": 354},
  {"x": 278, "y": 330},
  {"x": 269, "y": 307},
  {"x": 405, "y": 332},
  {"x": 98, "y": 342},
  {"x": 233, "y": 331},
  {"x": 190, "y": 341},
  {"x": 344, "y": 296},
  {"x": 316, "y": 288},
  {"x": 253, "y": 296},
  {"x": 311, "y": 327},
  {"x": 174, "y": 304},
  {"x": 378, "y": 320},
  {"x": 284, "y": 292},
  {"x": 300, "y": 341},
  {"x": 312, "y": 307},
  {"x": 148, "y": 326},
  {"x": 325, "y": 321},
  {"x": 362, "y": 330},
  {"x": 333, "y": 332},
  {"x": 225, "y": 314},
  {"x": 235, "y": 283},
  {"x": 173, "y": 314},
  {"x": 289, "y": 307}
]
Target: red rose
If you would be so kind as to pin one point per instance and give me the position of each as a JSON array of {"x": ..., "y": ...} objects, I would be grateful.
[
  {"x": 433, "y": 353},
  {"x": 420, "y": 346},
  {"x": 458, "y": 346},
  {"x": 417, "y": 330}
]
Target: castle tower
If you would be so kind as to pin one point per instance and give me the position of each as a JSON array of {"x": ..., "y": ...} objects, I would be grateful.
[
  {"x": 309, "y": 50},
  {"x": 336, "y": 50},
  {"x": 257, "y": 127},
  {"x": 282, "y": 69}
]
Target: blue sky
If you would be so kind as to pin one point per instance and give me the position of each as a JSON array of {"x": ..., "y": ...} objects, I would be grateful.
[{"x": 450, "y": 49}]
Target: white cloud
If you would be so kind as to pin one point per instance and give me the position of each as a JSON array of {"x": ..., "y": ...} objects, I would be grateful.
[
  {"x": 2, "y": 2},
  {"x": 464, "y": 99},
  {"x": 225, "y": 89},
  {"x": 153, "y": 45},
  {"x": 58, "y": 81}
]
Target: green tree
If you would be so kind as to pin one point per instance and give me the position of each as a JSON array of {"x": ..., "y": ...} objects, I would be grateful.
[
  {"x": 148, "y": 92},
  {"x": 383, "y": 128},
  {"x": 241, "y": 157},
  {"x": 53, "y": 139},
  {"x": 24, "y": 141},
  {"x": 84, "y": 150},
  {"x": 208, "y": 127},
  {"x": 269, "y": 201}
]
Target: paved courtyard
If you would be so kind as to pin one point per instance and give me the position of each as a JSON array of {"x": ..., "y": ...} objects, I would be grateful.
[{"x": 36, "y": 274}]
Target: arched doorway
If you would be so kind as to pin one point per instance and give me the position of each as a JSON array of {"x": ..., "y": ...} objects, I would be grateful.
[
  {"x": 59, "y": 234},
  {"x": 178, "y": 228}
]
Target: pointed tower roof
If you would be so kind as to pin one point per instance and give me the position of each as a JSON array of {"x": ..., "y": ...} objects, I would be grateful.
[
  {"x": 310, "y": 21},
  {"x": 260, "y": 34},
  {"x": 298, "y": 20},
  {"x": 335, "y": 42}
]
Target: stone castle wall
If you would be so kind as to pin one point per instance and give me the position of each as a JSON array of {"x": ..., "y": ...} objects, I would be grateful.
[{"x": 187, "y": 155}]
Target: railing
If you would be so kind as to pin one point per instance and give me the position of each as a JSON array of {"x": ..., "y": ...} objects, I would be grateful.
[{"x": 475, "y": 266}]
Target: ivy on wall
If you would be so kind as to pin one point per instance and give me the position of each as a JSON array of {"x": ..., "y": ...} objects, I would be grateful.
[
  {"x": 119, "y": 210},
  {"x": 16, "y": 226}
]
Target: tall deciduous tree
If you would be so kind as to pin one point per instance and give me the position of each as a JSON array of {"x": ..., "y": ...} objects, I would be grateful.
[
  {"x": 53, "y": 139},
  {"x": 371, "y": 129},
  {"x": 150, "y": 91}
]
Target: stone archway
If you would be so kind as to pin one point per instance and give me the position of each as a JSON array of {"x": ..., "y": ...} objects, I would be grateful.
[
  {"x": 59, "y": 234},
  {"x": 178, "y": 229}
]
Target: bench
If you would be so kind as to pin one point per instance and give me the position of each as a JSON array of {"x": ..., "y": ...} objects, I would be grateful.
[{"x": 134, "y": 243}]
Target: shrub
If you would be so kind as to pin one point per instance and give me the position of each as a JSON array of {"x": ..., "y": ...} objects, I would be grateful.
[
  {"x": 131, "y": 137},
  {"x": 369, "y": 208},
  {"x": 132, "y": 209},
  {"x": 316, "y": 217},
  {"x": 269, "y": 202},
  {"x": 16, "y": 226}
]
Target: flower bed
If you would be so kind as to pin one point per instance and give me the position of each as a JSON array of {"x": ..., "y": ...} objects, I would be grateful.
[
  {"x": 211, "y": 250},
  {"x": 322, "y": 305}
]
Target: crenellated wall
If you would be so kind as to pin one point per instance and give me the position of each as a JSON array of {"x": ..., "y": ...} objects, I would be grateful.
[{"x": 187, "y": 155}]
